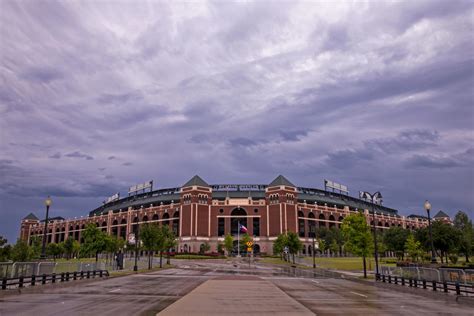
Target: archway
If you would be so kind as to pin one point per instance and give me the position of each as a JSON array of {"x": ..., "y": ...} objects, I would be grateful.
[
  {"x": 301, "y": 224},
  {"x": 312, "y": 225},
  {"x": 176, "y": 223},
  {"x": 234, "y": 221}
]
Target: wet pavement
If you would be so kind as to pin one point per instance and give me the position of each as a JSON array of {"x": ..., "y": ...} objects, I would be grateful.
[{"x": 260, "y": 289}]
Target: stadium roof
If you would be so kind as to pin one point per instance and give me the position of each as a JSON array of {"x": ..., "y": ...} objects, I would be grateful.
[
  {"x": 31, "y": 216},
  {"x": 196, "y": 181},
  {"x": 281, "y": 180},
  {"x": 441, "y": 214}
]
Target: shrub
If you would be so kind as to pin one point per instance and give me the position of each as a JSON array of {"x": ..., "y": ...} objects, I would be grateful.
[{"x": 453, "y": 258}]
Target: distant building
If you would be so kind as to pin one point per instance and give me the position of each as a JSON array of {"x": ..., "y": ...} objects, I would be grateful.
[
  {"x": 443, "y": 217},
  {"x": 198, "y": 213}
]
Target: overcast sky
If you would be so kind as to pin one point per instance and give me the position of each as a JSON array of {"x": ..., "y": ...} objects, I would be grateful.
[{"x": 96, "y": 96}]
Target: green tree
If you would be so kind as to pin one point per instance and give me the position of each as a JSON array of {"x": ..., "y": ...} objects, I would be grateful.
[
  {"x": 466, "y": 237},
  {"x": 395, "y": 239},
  {"x": 220, "y": 248},
  {"x": 54, "y": 250},
  {"x": 5, "y": 249},
  {"x": 244, "y": 239},
  {"x": 445, "y": 238},
  {"x": 36, "y": 247},
  {"x": 95, "y": 240},
  {"x": 150, "y": 236},
  {"x": 229, "y": 243},
  {"x": 413, "y": 248},
  {"x": 170, "y": 242},
  {"x": 358, "y": 237},
  {"x": 205, "y": 247},
  {"x": 279, "y": 244},
  {"x": 322, "y": 246},
  {"x": 69, "y": 247},
  {"x": 336, "y": 239},
  {"x": 294, "y": 244},
  {"x": 21, "y": 252}
]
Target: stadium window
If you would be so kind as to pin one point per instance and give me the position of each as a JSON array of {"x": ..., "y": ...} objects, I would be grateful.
[{"x": 221, "y": 227}]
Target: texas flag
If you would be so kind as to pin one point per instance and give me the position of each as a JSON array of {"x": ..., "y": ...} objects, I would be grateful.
[{"x": 242, "y": 228}]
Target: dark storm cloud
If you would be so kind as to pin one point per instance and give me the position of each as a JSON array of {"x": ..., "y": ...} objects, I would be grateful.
[
  {"x": 55, "y": 156},
  {"x": 376, "y": 95},
  {"x": 78, "y": 154}
]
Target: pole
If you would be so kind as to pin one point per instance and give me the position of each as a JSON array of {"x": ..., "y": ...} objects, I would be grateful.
[
  {"x": 376, "y": 253},
  {"x": 238, "y": 238},
  {"x": 43, "y": 248},
  {"x": 433, "y": 257},
  {"x": 135, "y": 267}
]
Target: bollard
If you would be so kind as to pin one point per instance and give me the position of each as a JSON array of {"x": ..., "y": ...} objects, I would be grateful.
[
  {"x": 53, "y": 280},
  {"x": 409, "y": 282},
  {"x": 82, "y": 274},
  {"x": 4, "y": 284},
  {"x": 20, "y": 284},
  {"x": 88, "y": 274},
  {"x": 62, "y": 276},
  {"x": 403, "y": 281},
  {"x": 100, "y": 273},
  {"x": 416, "y": 282},
  {"x": 383, "y": 278},
  {"x": 458, "y": 288},
  {"x": 396, "y": 279},
  {"x": 390, "y": 279},
  {"x": 43, "y": 279},
  {"x": 74, "y": 275},
  {"x": 93, "y": 274},
  {"x": 434, "y": 286},
  {"x": 424, "y": 284},
  {"x": 67, "y": 276},
  {"x": 33, "y": 280},
  {"x": 445, "y": 287}
]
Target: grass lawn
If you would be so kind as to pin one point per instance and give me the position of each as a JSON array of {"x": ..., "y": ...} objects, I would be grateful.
[{"x": 345, "y": 263}]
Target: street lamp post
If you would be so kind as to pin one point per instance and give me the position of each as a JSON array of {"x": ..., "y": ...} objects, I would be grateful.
[
  {"x": 135, "y": 267},
  {"x": 373, "y": 199},
  {"x": 314, "y": 250},
  {"x": 428, "y": 208},
  {"x": 47, "y": 202}
]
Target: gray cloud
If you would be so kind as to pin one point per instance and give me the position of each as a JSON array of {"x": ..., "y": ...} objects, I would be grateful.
[
  {"x": 376, "y": 96},
  {"x": 78, "y": 154}
]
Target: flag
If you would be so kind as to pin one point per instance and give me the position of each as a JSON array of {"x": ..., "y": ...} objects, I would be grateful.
[{"x": 242, "y": 228}]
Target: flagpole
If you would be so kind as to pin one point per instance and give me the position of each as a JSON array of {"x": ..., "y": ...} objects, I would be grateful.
[{"x": 238, "y": 238}]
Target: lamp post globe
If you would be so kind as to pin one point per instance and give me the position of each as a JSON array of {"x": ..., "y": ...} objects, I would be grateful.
[
  {"x": 427, "y": 206},
  {"x": 47, "y": 203}
]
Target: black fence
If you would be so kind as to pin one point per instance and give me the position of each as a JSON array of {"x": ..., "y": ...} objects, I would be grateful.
[
  {"x": 33, "y": 280},
  {"x": 446, "y": 287}
]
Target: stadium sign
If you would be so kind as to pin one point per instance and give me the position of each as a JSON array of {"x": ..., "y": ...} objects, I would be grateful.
[
  {"x": 141, "y": 187},
  {"x": 335, "y": 186},
  {"x": 113, "y": 198}
]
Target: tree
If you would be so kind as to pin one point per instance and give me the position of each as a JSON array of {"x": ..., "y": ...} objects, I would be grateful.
[
  {"x": 54, "y": 250},
  {"x": 358, "y": 238},
  {"x": 279, "y": 244},
  {"x": 170, "y": 242},
  {"x": 445, "y": 238},
  {"x": 205, "y": 247},
  {"x": 150, "y": 236},
  {"x": 5, "y": 250},
  {"x": 244, "y": 239},
  {"x": 229, "y": 243},
  {"x": 36, "y": 247},
  {"x": 294, "y": 244},
  {"x": 21, "y": 251},
  {"x": 95, "y": 240},
  {"x": 466, "y": 239},
  {"x": 395, "y": 239},
  {"x": 337, "y": 240},
  {"x": 69, "y": 247},
  {"x": 413, "y": 248}
]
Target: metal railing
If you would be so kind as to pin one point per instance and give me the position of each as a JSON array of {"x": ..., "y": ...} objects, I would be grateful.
[
  {"x": 44, "y": 278},
  {"x": 443, "y": 286},
  {"x": 463, "y": 276}
]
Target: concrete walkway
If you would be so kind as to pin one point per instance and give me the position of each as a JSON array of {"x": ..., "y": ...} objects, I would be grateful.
[{"x": 236, "y": 296}]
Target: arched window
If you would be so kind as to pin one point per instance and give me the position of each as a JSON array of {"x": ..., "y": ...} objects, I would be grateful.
[
  {"x": 301, "y": 231},
  {"x": 145, "y": 219},
  {"x": 332, "y": 220},
  {"x": 176, "y": 223},
  {"x": 236, "y": 220},
  {"x": 311, "y": 225},
  {"x": 166, "y": 216},
  {"x": 155, "y": 217},
  {"x": 321, "y": 223}
]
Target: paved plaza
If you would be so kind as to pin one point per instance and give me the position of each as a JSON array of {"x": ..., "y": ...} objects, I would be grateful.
[{"x": 224, "y": 288}]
